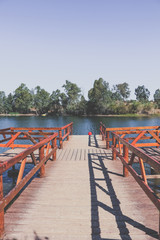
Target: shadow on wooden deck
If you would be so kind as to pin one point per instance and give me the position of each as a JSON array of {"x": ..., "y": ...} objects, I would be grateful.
[
  {"x": 93, "y": 142},
  {"x": 96, "y": 161}
]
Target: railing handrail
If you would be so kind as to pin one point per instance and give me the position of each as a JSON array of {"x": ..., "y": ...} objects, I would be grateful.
[
  {"x": 132, "y": 128},
  {"x": 13, "y": 160},
  {"x": 50, "y": 143},
  {"x": 139, "y": 153},
  {"x": 63, "y": 132},
  {"x": 41, "y": 128},
  {"x": 106, "y": 132},
  {"x": 47, "y": 139},
  {"x": 124, "y": 157}
]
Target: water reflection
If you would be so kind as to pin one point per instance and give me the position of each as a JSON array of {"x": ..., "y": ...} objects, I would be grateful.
[{"x": 82, "y": 125}]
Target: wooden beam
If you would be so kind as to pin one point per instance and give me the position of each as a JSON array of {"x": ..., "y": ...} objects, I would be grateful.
[{"x": 21, "y": 171}]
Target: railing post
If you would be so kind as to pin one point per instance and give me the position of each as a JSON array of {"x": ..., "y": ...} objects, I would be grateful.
[
  {"x": 103, "y": 134},
  {"x": 41, "y": 156},
  {"x": 21, "y": 171},
  {"x": 143, "y": 172},
  {"x": 114, "y": 155},
  {"x": 107, "y": 139},
  {"x": 60, "y": 139},
  {"x": 71, "y": 129},
  {"x": 100, "y": 129},
  {"x": 125, "y": 155},
  {"x": 2, "y": 212},
  {"x": 54, "y": 144},
  {"x": 67, "y": 133}
]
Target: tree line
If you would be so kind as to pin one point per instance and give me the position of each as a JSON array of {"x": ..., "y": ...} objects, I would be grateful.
[{"x": 101, "y": 100}]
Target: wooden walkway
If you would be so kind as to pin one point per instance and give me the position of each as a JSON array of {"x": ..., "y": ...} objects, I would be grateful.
[{"x": 83, "y": 196}]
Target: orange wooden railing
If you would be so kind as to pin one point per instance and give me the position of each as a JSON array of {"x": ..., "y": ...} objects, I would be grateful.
[
  {"x": 128, "y": 154},
  {"x": 126, "y": 144},
  {"x": 9, "y": 135},
  {"x": 43, "y": 140},
  {"x": 47, "y": 149},
  {"x": 133, "y": 135}
]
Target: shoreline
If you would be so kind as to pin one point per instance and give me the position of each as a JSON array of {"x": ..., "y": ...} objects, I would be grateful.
[{"x": 90, "y": 115}]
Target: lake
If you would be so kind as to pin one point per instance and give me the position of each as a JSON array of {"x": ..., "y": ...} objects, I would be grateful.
[{"x": 81, "y": 126}]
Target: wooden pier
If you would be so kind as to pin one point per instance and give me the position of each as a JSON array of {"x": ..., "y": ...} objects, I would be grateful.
[
  {"x": 82, "y": 196},
  {"x": 84, "y": 190}
]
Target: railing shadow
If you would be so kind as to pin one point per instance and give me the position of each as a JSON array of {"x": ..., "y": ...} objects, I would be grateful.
[
  {"x": 36, "y": 237},
  {"x": 93, "y": 142},
  {"x": 96, "y": 162}
]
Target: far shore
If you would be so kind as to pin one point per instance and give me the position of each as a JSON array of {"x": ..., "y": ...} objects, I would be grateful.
[{"x": 89, "y": 115}]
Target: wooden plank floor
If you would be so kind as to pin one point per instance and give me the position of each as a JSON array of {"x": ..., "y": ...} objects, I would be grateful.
[{"x": 83, "y": 196}]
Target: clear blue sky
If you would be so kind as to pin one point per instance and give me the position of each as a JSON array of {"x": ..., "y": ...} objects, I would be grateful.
[{"x": 45, "y": 42}]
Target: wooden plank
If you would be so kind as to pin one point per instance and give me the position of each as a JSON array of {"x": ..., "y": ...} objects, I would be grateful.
[{"x": 82, "y": 198}]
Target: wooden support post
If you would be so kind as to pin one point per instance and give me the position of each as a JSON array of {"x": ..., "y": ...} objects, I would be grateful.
[
  {"x": 103, "y": 133},
  {"x": 60, "y": 139},
  {"x": 107, "y": 140},
  {"x": 21, "y": 171},
  {"x": 68, "y": 133},
  {"x": 119, "y": 144},
  {"x": 47, "y": 149},
  {"x": 125, "y": 155},
  {"x": 143, "y": 172},
  {"x": 2, "y": 212},
  {"x": 33, "y": 159},
  {"x": 100, "y": 130},
  {"x": 41, "y": 156},
  {"x": 54, "y": 144},
  {"x": 114, "y": 155}
]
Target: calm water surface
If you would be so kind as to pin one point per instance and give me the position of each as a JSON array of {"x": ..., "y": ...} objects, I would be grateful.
[{"x": 81, "y": 126}]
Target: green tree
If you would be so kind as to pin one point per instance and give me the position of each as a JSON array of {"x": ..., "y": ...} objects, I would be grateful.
[
  {"x": 55, "y": 101},
  {"x": 2, "y": 102},
  {"x": 135, "y": 107},
  {"x": 9, "y": 103},
  {"x": 157, "y": 97},
  {"x": 63, "y": 101},
  {"x": 82, "y": 106},
  {"x": 142, "y": 93},
  {"x": 41, "y": 100},
  {"x": 121, "y": 91},
  {"x": 73, "y": 93},
  {"x": 22, "y": 99},
  {"x": 99, "y": 97}
]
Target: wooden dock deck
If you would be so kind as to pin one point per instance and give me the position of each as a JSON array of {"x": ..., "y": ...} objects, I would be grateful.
[{"x": 83, "y": 196}]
